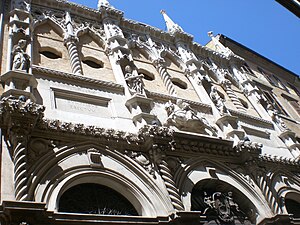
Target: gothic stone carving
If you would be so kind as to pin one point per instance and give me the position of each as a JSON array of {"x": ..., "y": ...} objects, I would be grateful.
[
  {"x": 134, "y": 82},
  {"x": 218, "y": 101},
  {"x": 222, "y": 208},
  {"x": 21, "y": 60},
  {"x": 184, "y": 117}
]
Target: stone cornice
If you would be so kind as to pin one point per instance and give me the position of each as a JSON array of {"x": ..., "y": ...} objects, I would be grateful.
[
  {"x": 258, "y": 121},
  {"x": 58, "y": 74},
  {"x": 279, "y": 160},
  {"x": 111, "y": 135},
  {"x": 69, "y": 6},
  {"x": 204, "y": 108}
]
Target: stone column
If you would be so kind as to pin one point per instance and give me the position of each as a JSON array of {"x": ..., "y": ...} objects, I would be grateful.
[
  {"x": 170, "y": 185},
  {"x": 227, "y": 86},
  {"x": 70, "y": 42},
  {"x": 18, "y": 118},
  {"x": 158, "y": 63}
]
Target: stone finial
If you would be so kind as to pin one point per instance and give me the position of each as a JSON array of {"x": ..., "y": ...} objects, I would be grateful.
[
  {"x": 171, "y": 26},
  {"x": 218, "y": 45},
  {"x": 68, "y": 22},
  {"x": 103, "y": 3}
]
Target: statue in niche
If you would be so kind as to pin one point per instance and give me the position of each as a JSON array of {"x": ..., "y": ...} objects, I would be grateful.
[
  {"x": 218, "y": 101},
  {"x": 184, "y": 117},
  {"x": 134, "y": 82},
  {"x": 222, "y": 208},
  {"x": 274, "y": 113},
  {"x": 21, "y": 60}
]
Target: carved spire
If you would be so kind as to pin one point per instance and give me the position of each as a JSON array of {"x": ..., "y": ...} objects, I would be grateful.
[
  {"x": 171, "y": 26},
  {"x": 219, "y": 46},
  {"x": 104, "y": 3}
]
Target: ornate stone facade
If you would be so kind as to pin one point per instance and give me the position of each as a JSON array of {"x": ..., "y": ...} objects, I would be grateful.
[{"x": 107, "y": 120}]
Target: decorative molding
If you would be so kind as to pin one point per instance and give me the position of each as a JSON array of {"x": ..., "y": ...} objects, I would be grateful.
[
  {"x": 69, "y": 76},
  {"x": 256, "y": 120},
  {"x": 87, "y": 130},
  {"x": 201, "y": 107}
]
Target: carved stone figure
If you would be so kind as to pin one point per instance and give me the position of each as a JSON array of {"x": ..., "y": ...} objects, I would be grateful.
[
  {"x": 218, "y": 101},
  {"x": 248, "y": 146},
  {"x": 184, "y": 117},
  {"x": 276, "y": 118},
  {"x": 21, "y": 60},
  {"x": 134, "y": 82},
  {"x": 222, "y": 208}
]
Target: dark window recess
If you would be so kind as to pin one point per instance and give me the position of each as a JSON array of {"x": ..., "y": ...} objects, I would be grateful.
[
  {"x": 147, "y": 76},
  {"x": 50, "y": 55},
  {"x": 179, "y": 83},
  {"x": 95, "y": 199},
  {"x": 271, "y": 100},
  {"x": 292, "y": 207},
  {"x": 295, "y": 89},
  {"x": 92, "y": 64},
  {"x": 296, "y": 106},
  {"x": 246, "y": 68},
  {"x": 244, "y": 103}
]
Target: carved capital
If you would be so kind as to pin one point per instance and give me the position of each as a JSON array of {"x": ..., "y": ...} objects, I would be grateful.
[{"x": 18, "y": 116}]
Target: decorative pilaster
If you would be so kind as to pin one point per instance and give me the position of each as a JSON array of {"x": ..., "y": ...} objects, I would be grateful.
[
  {"x": 18, "y": 118},
  {"x": 70, "y": 42}
]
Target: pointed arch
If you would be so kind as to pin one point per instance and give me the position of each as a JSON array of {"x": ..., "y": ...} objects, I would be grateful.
[
  {"x": 55, "y": 25},
  {"x": 175, "y": 59},
  {"x": 96, "y": 37}
]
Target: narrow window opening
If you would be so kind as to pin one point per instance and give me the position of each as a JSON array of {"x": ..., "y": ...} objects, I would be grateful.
[
  {"x": 93, "y": 64},
  {"x": 146, "y": 75},
  {"x": 179, "y": 83},
  {"x": 50, "y": 54}
]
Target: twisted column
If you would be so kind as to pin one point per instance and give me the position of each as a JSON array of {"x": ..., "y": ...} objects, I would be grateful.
[
  {"x": 70, "y": 43},
  {"x": 18, "y": 118},
  {"x": 20, "y": 171},
  {"x": 165, "y": 76},
  {"x": 263, "y": 185},
  {"x": 232, "y": 95},
  {"x": 170, "y": 185}
]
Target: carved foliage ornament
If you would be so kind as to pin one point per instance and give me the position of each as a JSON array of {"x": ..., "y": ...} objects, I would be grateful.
[{"x": 25, "y": 113}]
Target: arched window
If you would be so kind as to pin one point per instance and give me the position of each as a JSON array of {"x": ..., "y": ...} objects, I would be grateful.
[
  {"x": 293, "y": 207},
  {"x": 146, "y": 75},
  {"x": 92, "y": 198},
  {"x": 50, "y": 53},
  {"x": 92, "y": 62},
  {"x": 222, "y": 203},
  {"x": 179, "y": 83}
]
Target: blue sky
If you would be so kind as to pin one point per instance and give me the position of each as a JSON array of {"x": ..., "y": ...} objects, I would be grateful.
[{"x": 261, "y": 25}]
